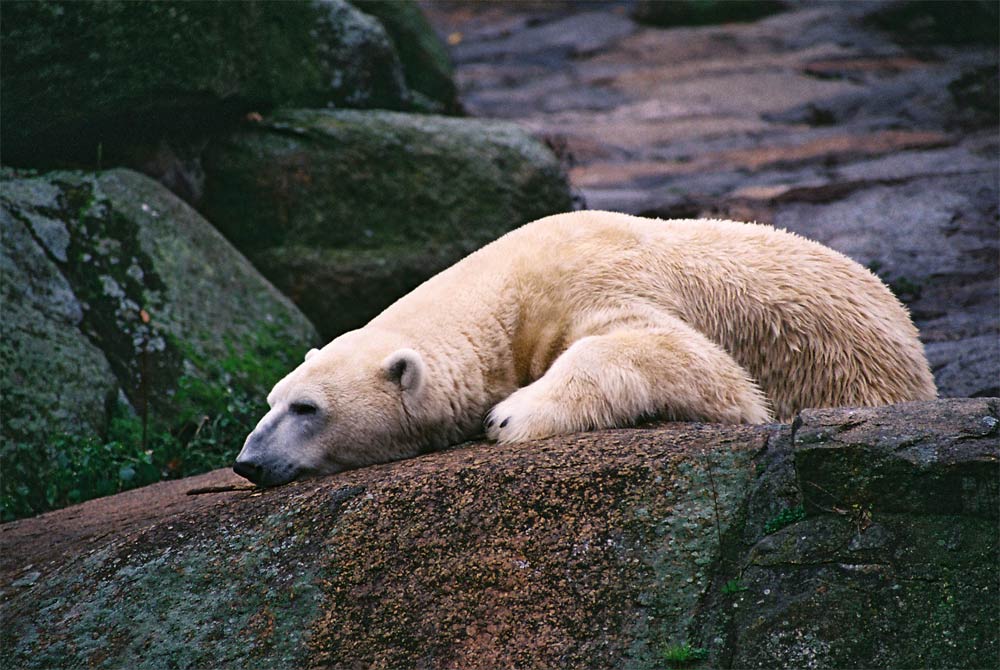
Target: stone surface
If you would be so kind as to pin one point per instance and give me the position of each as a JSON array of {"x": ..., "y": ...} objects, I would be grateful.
[
  {"x": 595, "y": 550},
  {"x": 424, "y": 58},
  {"x": 41, "y": 346},
  {"x": 346, "y": 211},
  {"x": 967, "y": 367},
  {"x": 579, "y": 551},
  {"x": 895, "y": 563},
  {"x": 864, "y": 459},
  {"x": 918, "y": 22},
  {"x": 871, "y": 127},
  {"x": 115, "y": 290},
  {"x": 86, "y": 83}
]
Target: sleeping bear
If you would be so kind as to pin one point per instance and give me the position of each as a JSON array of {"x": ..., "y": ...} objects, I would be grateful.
[{"x": 593, "y": 320}]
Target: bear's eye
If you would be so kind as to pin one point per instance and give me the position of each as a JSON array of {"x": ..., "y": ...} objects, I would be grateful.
[{"x": 303, "y": 408}]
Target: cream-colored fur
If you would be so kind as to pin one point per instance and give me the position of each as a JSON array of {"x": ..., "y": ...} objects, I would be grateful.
[{"x": 594, "y": 319}]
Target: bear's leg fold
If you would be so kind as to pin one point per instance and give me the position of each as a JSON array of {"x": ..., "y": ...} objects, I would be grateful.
[{"x": 603, "y": 381}]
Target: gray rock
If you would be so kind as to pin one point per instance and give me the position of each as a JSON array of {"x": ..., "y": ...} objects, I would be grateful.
[
  {"x": 113, "y": 288},
  {"x": 966, "y": 368},
  {"x": 53, "y": 378},
  {"x": 926, "y": 228},
  {"x": 578, "y": 34},
  {"x": 915, "y": 98},
  {"x": 904, "y": 165}
]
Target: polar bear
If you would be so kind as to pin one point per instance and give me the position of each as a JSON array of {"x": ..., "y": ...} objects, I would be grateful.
[{"x": 592, "y": 320}]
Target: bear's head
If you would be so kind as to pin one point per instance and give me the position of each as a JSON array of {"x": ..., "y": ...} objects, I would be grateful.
[{"x": 355, "y": 402}]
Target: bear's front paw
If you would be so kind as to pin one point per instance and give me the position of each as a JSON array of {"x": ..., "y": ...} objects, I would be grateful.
[{"x": 524, "y": 415}]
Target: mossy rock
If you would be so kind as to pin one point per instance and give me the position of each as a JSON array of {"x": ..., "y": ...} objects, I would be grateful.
[
  {"x": 118, "y": 300},
  {"x": 345, "y": 211},
  {"x": 870, "y": 591},
  {"x": 426, "y": 63},
  {"x": 892, "y": 559},
  {"x": 85, "y": 80},
  {"x": 42, "y": 350},
  {"x": 919, "y": 22}
]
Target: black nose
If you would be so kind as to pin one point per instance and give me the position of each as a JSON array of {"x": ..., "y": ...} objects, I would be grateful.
[{"x": 248, "y": 470}]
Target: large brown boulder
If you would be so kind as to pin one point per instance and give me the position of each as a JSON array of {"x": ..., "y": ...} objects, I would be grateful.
[{"x": 771, "y": 546}]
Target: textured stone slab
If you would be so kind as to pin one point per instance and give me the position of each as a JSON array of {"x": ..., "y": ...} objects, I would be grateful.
[{"x": 945, "y": 460}]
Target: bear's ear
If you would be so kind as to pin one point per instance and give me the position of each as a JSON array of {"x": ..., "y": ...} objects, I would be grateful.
[
  {"x": 406, "y": 368},
  {"x": 311, "y": 353}
]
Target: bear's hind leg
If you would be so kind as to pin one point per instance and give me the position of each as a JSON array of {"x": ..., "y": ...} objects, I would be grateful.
[{"x": 603, "y": 381}]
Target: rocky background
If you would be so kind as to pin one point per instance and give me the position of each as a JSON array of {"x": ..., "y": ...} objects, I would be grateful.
[
  {"x": 870, "y": 127},
  {"x": 137, "y": 341},
  {"x": 193, "y": 194}
]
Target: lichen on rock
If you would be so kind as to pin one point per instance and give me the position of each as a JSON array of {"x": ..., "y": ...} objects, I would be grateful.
[{"x": 120, "y": 301}]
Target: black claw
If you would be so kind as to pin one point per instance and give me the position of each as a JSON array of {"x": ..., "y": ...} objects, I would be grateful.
[
  {"x": 489, "y": 423},
  {"x": 503, "y": 424}
]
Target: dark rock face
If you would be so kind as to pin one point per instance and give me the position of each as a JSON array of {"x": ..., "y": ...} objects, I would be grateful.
[
  {"x": 96, "y": 83},
  {"x": 866, "y": 460},
  {"x": 896, "y": 561},
  {"x": 921, "y": 21},
  {"x": 891, "y": 596},
  {"x": 702, "y": 12},
  {"x": 424, "y": 58},
  {"x": 599, "y": 550},
  {"x": 346, "y": 211}
]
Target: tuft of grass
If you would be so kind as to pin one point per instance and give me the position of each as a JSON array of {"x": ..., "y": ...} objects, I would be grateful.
[
  {"x": 785, "y": 518},
  {"x": 681, "y": 654},
  {"x": 733, "y": 586},
  {"x": 71, "y": 469},
  {"x": 215, "y": 412}
]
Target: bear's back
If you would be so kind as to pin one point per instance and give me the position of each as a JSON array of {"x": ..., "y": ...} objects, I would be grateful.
[{"x": 813, "y": 327}]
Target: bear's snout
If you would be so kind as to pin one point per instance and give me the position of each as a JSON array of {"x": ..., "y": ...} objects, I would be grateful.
[
  {"x": 259, "y": 463},
  {"x": 263, "y": 460},
  {"x": 271, "y": 473},
  {"x": 248, "y": 470}
]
